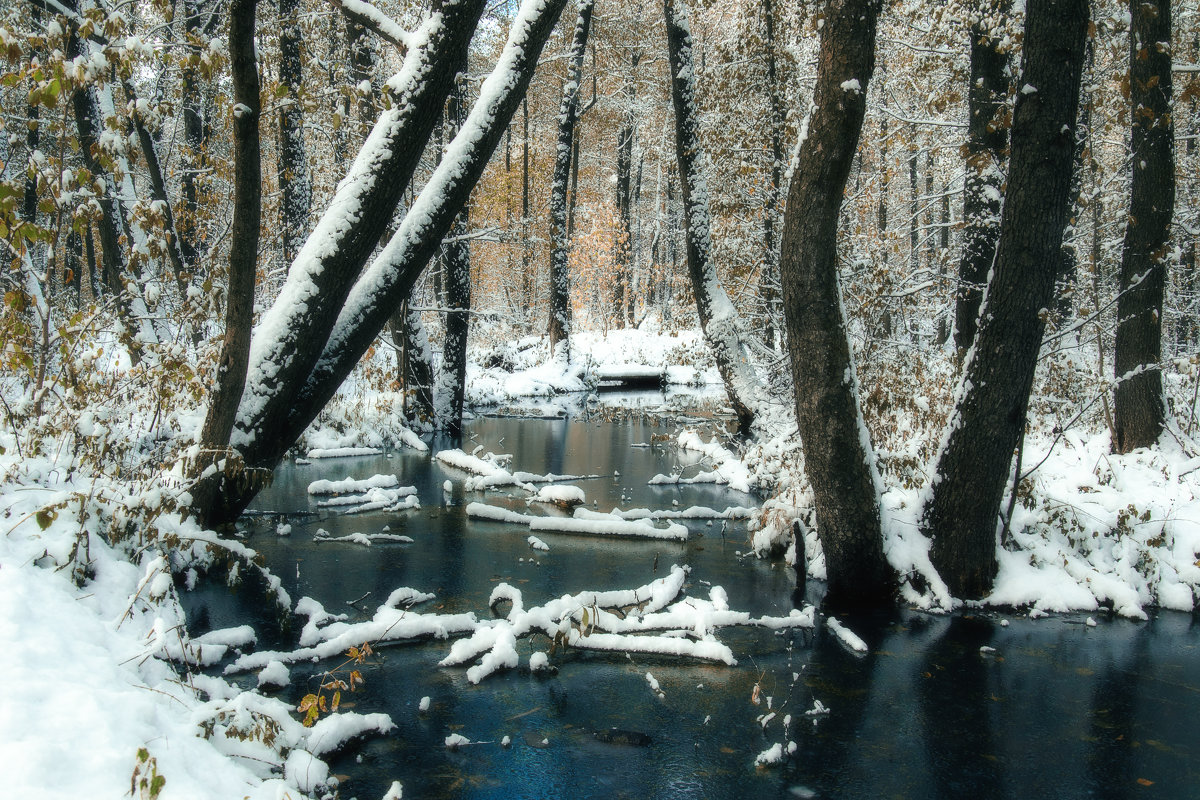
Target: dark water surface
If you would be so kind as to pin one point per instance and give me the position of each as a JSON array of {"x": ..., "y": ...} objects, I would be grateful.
[{"x": 1058, "y": 710}]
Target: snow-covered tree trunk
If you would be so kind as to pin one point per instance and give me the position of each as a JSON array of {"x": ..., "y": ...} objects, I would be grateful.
[
  {"x": 289, "y": 337},
  {"x": 321, "y": 303},
  {"x": 838, "y": 458},
  {"x": 987, "y": 142},
  {"x": 1139, "y": 412},
  {"x": 720, "y": 321},
  {"x": 568, "y": 118},
  {"x": 973, "y": 467},
  {"x": 294, "y": 186},
  {"x": 243, "y": 249}
]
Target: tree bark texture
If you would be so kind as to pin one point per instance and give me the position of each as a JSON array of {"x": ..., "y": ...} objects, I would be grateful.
[
  {"x": 718, "y": 318},
  {"x": 294, "y": 185},
  {"x": 243, "y": 247},
  {"x": 772, "y": 197},
  {"x": 988, "y": 422},
  {"x": 193, "y": 154},
  {"x": 415, "y": 362},
  {"x": 1139, "y": 413},
  {"x": 456, "y": 256},
  {"x": 560, "y": 244},
  {"x": 987, "y": 146},
  {"x": 623, "y": 266},
  {"x": 838, "y": 458}
]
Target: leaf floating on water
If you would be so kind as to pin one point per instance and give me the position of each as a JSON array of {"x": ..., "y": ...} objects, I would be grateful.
[{"x": 1145, "y": 782}]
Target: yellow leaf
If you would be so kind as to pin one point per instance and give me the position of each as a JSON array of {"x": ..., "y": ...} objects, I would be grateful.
[{"x": 337, "y": 699}]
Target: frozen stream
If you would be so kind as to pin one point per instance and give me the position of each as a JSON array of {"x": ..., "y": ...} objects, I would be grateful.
[{"x": 1049, "y": 708}]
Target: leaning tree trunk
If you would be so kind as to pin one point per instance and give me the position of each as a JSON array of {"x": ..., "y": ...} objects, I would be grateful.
[
  {"x": 720, "y": 321},
  {"x": 988, "y": 422},
  {"x": 987, "y": 143},
  {"x": 288, "y": 378},
  {"x": 568, "y": 118},
  {"x": 298, "y": 324},
  {"x": 1139, "y": 413},
  {"x": 838, "y": 458},
  {"x": 243, "y": 247}
]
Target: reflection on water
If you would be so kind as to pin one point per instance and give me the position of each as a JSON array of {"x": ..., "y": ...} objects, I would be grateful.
[{"x": 1052, "y": 708}]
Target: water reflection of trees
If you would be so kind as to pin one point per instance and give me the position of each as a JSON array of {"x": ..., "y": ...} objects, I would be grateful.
[
  {"x": 1111, "y": 721},
  {"x": 955, "y": 714}
]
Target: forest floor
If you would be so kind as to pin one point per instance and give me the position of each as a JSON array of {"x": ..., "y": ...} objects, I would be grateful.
[{"x": 92, "y": 564}]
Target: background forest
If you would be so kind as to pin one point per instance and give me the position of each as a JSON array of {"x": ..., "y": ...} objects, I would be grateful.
[{"x": 120, "y": 215}]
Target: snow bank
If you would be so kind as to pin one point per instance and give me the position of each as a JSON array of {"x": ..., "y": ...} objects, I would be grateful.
[{"x": 97, "y": 690}]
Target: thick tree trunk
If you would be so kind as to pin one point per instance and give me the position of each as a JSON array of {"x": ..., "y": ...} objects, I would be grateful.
[
  {"x": 838, "y": 458},
  {"x": 718, "y": 318},
  {"x": 987, "y": 145},
  {"x": 989, "y": 418},
  {"x": 290, "y": 384},
  {"x": 294, "y": 186},
  {"x": 568, "y": 119},
  {"x": 1139, "y": 412},
  {"x": 243, "y": 248}
]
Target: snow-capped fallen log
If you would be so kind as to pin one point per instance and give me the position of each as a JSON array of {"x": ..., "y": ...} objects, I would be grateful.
[
  {"x": 398, "y": 499},
  {"x": 847, "y": 636},
  {"x": 693, "y": 512},
  {"x": 621, "y": 621},
  {"x": 497, "y": 514},
  {"x": 387, "y": 625},
  {"x": 584, "y": 522},
  {"x": 343, "y": 452},
  {"x": 490, "y": 473},
  {"x": 703, "y": 477},
  {"x": 353, "y": 486},
  {"x": 608, "y": 525},
  {"x": 364, "y": 539},
  {"x": 650, "y": 619},
  {"x": 563, "y": 496}
]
